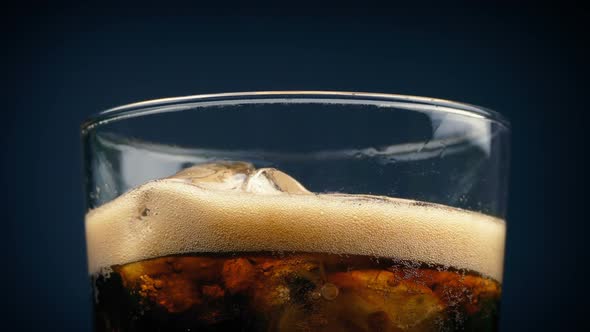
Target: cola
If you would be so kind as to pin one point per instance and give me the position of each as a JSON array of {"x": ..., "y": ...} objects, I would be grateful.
[{"x": 227, "y": 247}]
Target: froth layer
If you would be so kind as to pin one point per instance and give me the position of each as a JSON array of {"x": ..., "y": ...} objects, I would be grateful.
[{"x": 170, "y": 216}]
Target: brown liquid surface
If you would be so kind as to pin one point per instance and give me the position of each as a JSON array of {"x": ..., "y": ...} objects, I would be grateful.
[{"x": 292, "y": 292}]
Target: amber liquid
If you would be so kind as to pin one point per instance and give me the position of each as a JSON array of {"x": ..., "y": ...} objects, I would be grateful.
[{"x": 292, "y": 292}]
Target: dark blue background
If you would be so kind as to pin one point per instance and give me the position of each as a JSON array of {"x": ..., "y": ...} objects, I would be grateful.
[{"x": 62, "y": 63}]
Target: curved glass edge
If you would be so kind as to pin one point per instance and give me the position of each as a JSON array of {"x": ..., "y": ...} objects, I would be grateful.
[{"x": 266, "y": 97}]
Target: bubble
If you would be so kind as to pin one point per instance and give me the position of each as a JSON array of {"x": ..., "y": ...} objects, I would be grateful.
[{"x": 329, "y": 291}]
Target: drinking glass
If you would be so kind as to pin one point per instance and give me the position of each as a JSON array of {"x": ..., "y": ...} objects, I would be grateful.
[{"x": 296, "y": 211}]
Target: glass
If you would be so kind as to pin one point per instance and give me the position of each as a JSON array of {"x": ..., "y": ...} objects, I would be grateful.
[{"x": 296, "y": 211}]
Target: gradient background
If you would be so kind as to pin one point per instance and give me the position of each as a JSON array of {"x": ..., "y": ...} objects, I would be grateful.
[{"x": 64, "y": 62}]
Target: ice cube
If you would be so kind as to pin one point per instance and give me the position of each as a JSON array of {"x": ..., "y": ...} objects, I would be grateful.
[
  {"x": 273, "y": 181},
  {"x": 217, "y": 176},
  {"x": 240, "y": 176}
]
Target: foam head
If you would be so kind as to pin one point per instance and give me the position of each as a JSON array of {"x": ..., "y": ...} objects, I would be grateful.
[{"x": 232, "y": 207}]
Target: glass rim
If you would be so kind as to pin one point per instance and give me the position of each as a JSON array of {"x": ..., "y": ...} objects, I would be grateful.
[{"x": 171, "y": 104}]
